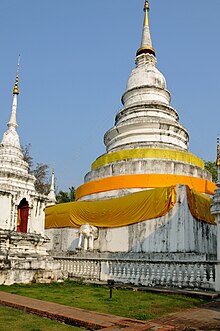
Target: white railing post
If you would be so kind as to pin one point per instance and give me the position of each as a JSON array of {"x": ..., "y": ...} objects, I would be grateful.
[{"x": 215, "y": 210}]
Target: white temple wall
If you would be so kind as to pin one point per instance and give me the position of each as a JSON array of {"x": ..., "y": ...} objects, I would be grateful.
[
  {"x": 5, "y": 211},
  {"x": 112, "y": 240},
  {"x": 37, "y": 217},
  {"x": 32, "y": 213},
  {"x": 62, "y": 240},
  {"x": 9, "y": 211},
  {"x": 147, "y": 166}
]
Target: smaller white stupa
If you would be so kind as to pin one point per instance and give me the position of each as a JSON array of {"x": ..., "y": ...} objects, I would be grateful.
[
  {"x": 22, "y": 208},
  {"x": 23, "y": 245}
]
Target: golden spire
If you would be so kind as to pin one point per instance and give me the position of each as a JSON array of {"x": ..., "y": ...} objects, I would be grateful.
[
  {"x": 16, "y": 90},
  {"x": 146, "y": 10},
  {"x": 146, "y": 43}
]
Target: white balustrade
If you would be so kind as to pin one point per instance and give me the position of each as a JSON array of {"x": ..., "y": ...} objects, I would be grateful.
[
  {"x": 79, "y": 268},
  {"x": 200, "y": 275}
]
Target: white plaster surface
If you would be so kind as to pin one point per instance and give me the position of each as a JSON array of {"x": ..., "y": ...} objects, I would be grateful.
[
  {"x": 147, "y": 166},
  {"x": 62, "y": 240},
  {"x": 5, "y": 210}
]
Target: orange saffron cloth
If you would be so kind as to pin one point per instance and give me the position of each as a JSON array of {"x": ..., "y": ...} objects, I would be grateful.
[{"x": 144, "y": 181}]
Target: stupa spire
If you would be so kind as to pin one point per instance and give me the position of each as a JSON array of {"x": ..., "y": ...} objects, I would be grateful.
[
  {"x": 146, "y": 42},
  {"x": 16, "y": 91},
  {"x": 10, "y": 137},
  {"x": 13, "y": 122},
  {"x": 52, "y": 196}
]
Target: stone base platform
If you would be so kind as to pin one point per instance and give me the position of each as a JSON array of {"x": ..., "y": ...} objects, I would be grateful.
[{"x": 24, "y": 259}]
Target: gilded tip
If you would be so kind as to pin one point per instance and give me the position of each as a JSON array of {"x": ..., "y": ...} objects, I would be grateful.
[
  {"x": 16, "y": 90},
  {"x": 19, "y": 57},
  {"x": 146, "y": 6},
  {"x": 146, "y": 43},
  {"x": 146, "y": 10}
]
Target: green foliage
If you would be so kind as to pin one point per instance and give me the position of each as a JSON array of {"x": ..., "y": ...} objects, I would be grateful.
[
  {"x": 63, "y": 197},
  {"x": 212, "y": 168},
  {"x": 26, "y": 155},
  {"x": 11, "y": 319},
  {"x": 39, "y": 170},
  {"x": 133, "y": 304},
  {"x": 72, "y": 193},
  {"x": 42, "y": 184}
]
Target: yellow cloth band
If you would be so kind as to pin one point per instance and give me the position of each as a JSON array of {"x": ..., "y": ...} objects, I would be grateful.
[
  {"x": 144, "y": 181},
  {"x": 112, "y": 213},
  {"x": 147, "y": 153},
  {"x": 199, "y": 205}
]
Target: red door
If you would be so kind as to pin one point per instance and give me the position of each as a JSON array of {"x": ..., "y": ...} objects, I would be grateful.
[{"x": 23, "y": 211}]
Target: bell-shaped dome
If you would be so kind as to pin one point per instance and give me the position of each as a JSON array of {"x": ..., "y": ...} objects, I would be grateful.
[
  {"x": 146, "y": 83},
  {"x": 146, "y": 74}
]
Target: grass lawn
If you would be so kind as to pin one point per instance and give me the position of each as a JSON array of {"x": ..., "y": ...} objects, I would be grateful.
[
  {"x": 128, "y": 303},
  {"x": 11, "y": 319}
]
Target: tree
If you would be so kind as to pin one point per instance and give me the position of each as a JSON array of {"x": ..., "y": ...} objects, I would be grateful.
[
  {"x": 63, "y": 197},
  {"x": 72, "y": 193},
  {"x": 26, "y": 155},
  {"x": 39, "y": 170},
  {"x": 212, "y": 168}
]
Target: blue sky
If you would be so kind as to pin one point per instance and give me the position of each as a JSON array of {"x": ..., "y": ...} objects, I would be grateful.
[{"x": 76, "y": 56}]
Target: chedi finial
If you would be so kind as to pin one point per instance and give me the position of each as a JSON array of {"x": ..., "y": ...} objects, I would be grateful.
[
  {"x": 11, "y": 137},
  {"x": 16, "y": 90},
  {"x": 52, "y": 196},
  {"x": 146, "y": 10},
  {"x": 146, "y": 43}
]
